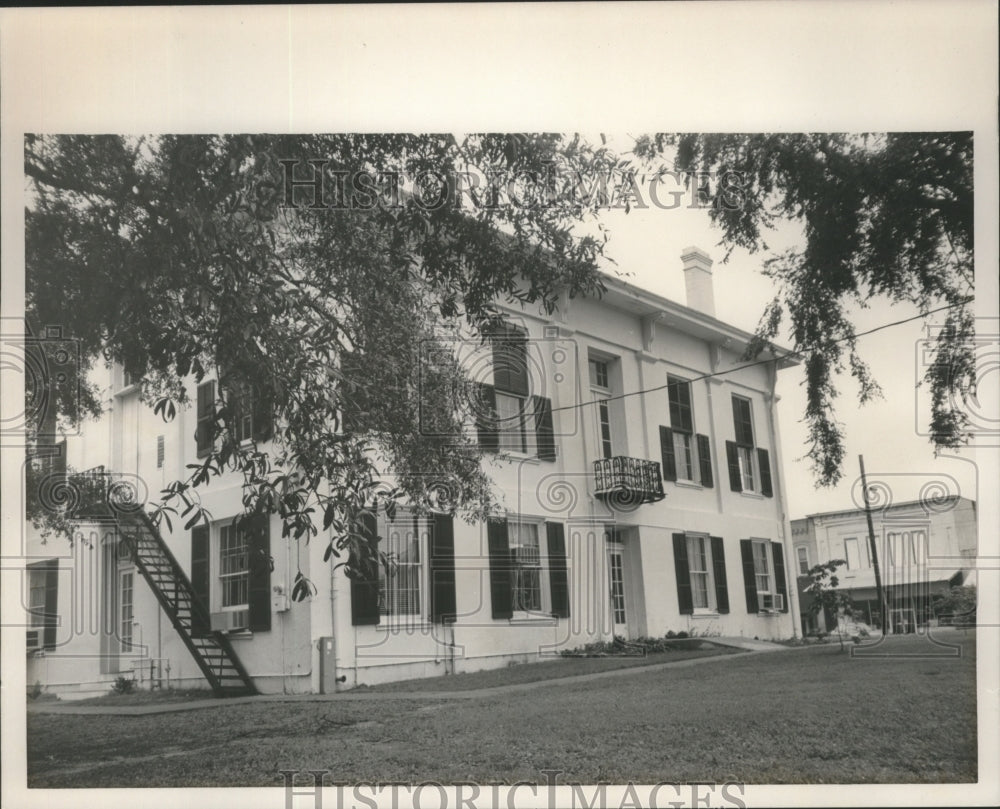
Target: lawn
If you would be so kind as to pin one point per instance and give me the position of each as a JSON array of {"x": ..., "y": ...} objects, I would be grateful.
[
  {"x": 812, "y": 715},
  {"x": 547, "y": 670}
]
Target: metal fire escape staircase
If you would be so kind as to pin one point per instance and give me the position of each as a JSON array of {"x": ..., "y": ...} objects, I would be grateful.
[{"x": 212, "y": 651}]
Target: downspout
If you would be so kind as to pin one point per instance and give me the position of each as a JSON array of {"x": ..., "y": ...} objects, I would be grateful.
[{"x": 786, "y": 526}]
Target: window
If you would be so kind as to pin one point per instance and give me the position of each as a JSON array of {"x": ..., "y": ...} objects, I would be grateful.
[
  {"x": 617, "y": 586},
  {"x": 762, "y": 570},
  {"x": 685, "y": 455},
  {"x": 526, "y": 560},
  {"x": 43, "y": 585},
  {"x": 599, "y": 374},
  {"x": 512, "y": 423},
  {"x": 401, "y": 590},
  {"x": 764, "y": 576},
  {"x": 853, "y": 553},
  {"x": 234, "y": 571},
  {"x": 749, "y": 465},
  {"x": 125, "y": 613},
  {"x": 528, "y": 568},
  {"x": 700, "y": 568},
  {"x": 682, "y": 425},
  {"x": 604, "y": 424},
  {"x": 803, "y": 555},
  {"x": 605, "y": 410},
  {"x": 508, "y": 418},
  {"x": 36, "y": 597}
]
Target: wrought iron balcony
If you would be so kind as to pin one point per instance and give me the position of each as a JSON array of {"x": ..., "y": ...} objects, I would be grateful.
[{"x": 626, "y": 482}]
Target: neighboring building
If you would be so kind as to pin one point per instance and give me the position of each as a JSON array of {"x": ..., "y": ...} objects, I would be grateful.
[
  {"x": 632, "y": 515},
  {"x": 924, "y": 547}
]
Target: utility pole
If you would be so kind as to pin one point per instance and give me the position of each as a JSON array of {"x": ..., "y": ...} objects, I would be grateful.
[{"x": 883, "y": 605}]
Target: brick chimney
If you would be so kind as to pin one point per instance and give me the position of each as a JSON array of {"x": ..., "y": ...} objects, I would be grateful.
[{"x": 698, "y": 280}]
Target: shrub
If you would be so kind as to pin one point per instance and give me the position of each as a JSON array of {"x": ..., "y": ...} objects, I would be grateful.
[
  {"x": 36, "y": 690},
  {"x": 123, "y": 685}
]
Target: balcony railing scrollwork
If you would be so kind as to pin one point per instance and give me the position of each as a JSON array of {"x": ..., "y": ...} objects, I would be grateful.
[{"x": 627, "y": 482}]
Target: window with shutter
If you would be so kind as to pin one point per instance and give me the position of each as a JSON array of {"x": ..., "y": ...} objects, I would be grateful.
[
  {"x": 508, "y": 418},
  {"x": 764, "y": 576},
  {"x": 43, "y": 604},
  {"x": 749, "y": 466},
  {"x": 699, "y": 564}
]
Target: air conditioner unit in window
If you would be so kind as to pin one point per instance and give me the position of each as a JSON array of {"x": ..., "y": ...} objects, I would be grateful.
[
  {"x": 230, "y": 620},
  {"x": 34, "y": 640},
  {"x": 773, "y": 603}
]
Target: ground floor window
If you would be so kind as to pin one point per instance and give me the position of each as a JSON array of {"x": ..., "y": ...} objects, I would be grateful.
[
  {"x": 401, "y": 587},
  {"x": 126, "y": 615},
  {"x": 526, "y": 574},
  {"x": 234, "y": 570},
  {"x": 700, "y": 571}
]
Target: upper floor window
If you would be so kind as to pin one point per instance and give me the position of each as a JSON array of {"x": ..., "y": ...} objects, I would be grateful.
[
  {"x": 607, "y": 413},
  {"x": 749, "y": 465},
  {"x": 509, "y": 418},
  {"x": 803, "y": 557},
  {"x": 853, "y": 552},
  {"x": 685, "y": 455},
  {"x": 599, "y": 374}
]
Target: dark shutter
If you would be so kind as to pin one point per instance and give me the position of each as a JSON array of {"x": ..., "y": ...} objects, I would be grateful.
[
  {"x": 51, "y": 619},
  {"x": 259, "y": 560},
  {"x": 705, "y": 461},
  {"x": 544, "y": 433},
  {"x": 442, "y": 568},
  {"x": 749, "y": 575},
  {"x": 765, "y": 473},
  {"x": 667, "y": 453},
  {"x": 200, "y": 581},
  {"x": 206, "y": 411},
  {"x": 719, "y": 571},
  {"x": 263, "y": 415},
  {"x": 500, "y": 594},
  {"x": 364, "y": 584},
  {"x": 558, "y": 580},
  {"x": 486, "y": 419},
  {"x": 779, "y": 573},
  {"x": 683, "y": 570},
  {"x": 510, "y": 361},
  {"x": 733, "y": 459}
]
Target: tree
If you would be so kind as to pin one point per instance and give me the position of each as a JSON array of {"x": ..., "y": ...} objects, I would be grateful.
[
  {"x": 824, "y": 595},
  {"x": 888, "y": 214},
  {"x": 301, "y": 271},
  {"x": 958, "y": 605}
]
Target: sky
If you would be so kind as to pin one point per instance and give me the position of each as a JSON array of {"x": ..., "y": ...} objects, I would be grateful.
[{"x": 646, "y": 245}]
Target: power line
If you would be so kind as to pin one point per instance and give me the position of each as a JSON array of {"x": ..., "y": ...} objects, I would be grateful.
[{"x": 755, "y": 363}]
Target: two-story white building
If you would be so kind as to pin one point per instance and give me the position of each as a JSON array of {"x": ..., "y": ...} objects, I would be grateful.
[
  {"x": 638, "y": 467},
  {"x": 922, "y": 548}
]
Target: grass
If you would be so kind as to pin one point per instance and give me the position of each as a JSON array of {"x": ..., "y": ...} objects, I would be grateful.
[
  {"x": 546, "y": 670},
  {"x": 148, "y": 697},
  {"x": 813, "y": 715}
]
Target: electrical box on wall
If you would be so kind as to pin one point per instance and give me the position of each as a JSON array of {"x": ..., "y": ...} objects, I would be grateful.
[{"x": 279, "y": 603}]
